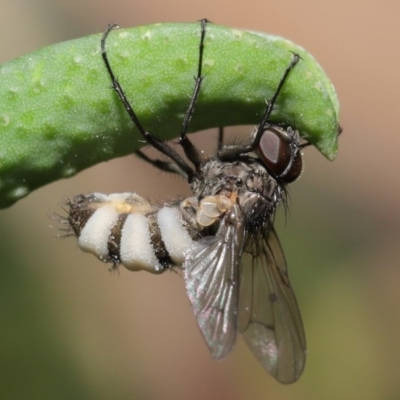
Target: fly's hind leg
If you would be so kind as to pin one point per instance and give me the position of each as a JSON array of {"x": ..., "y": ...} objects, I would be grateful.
[
  {"x": 189, "y": 149},
  {"x": 150, "y": 138}
]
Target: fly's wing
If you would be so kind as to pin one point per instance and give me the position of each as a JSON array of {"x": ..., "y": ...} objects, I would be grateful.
[
  {"x": 211, "y": 272},
  {"x": 269, "y": 317}
]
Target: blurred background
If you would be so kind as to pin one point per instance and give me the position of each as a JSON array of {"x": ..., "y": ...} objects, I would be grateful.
[{"x": 70, "y": 329}]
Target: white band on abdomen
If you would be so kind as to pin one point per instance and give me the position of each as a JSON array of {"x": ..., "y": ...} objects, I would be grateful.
[
  {"x": 136, "y": 250},
  {"x": 173, "y": 234},
  {"x": 96, "y": 232}
]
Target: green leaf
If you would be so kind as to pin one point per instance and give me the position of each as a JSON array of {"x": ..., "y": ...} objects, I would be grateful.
[{"x": 58, "y": 114}]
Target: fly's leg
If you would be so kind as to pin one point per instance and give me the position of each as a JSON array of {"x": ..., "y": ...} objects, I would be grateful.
[
  {"x": 190, "y": 150},
  {"x": 151, "y": 139},
  {"x": 166, "y": 166},
  {"x": 232, "y": 152},
  {"x": 188, "y": 208},
  {"x": 271, "y": 103}
]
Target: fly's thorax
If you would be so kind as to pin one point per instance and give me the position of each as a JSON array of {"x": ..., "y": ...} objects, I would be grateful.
[
  {"x": 245, "y": 181},
  {"x": 126, "y": 228}
]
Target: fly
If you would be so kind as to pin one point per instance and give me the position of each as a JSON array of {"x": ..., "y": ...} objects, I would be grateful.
[{"x": 223, "y": 236}]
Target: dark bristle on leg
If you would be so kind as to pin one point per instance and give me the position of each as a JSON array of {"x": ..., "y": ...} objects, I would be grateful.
[{"x": 220, "y": 138}]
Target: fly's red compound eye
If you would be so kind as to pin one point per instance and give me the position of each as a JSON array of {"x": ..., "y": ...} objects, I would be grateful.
[{"x": 276, "y": 152}]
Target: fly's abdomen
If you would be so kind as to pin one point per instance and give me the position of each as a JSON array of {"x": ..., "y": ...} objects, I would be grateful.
[{"x": 125, "y": 228}]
